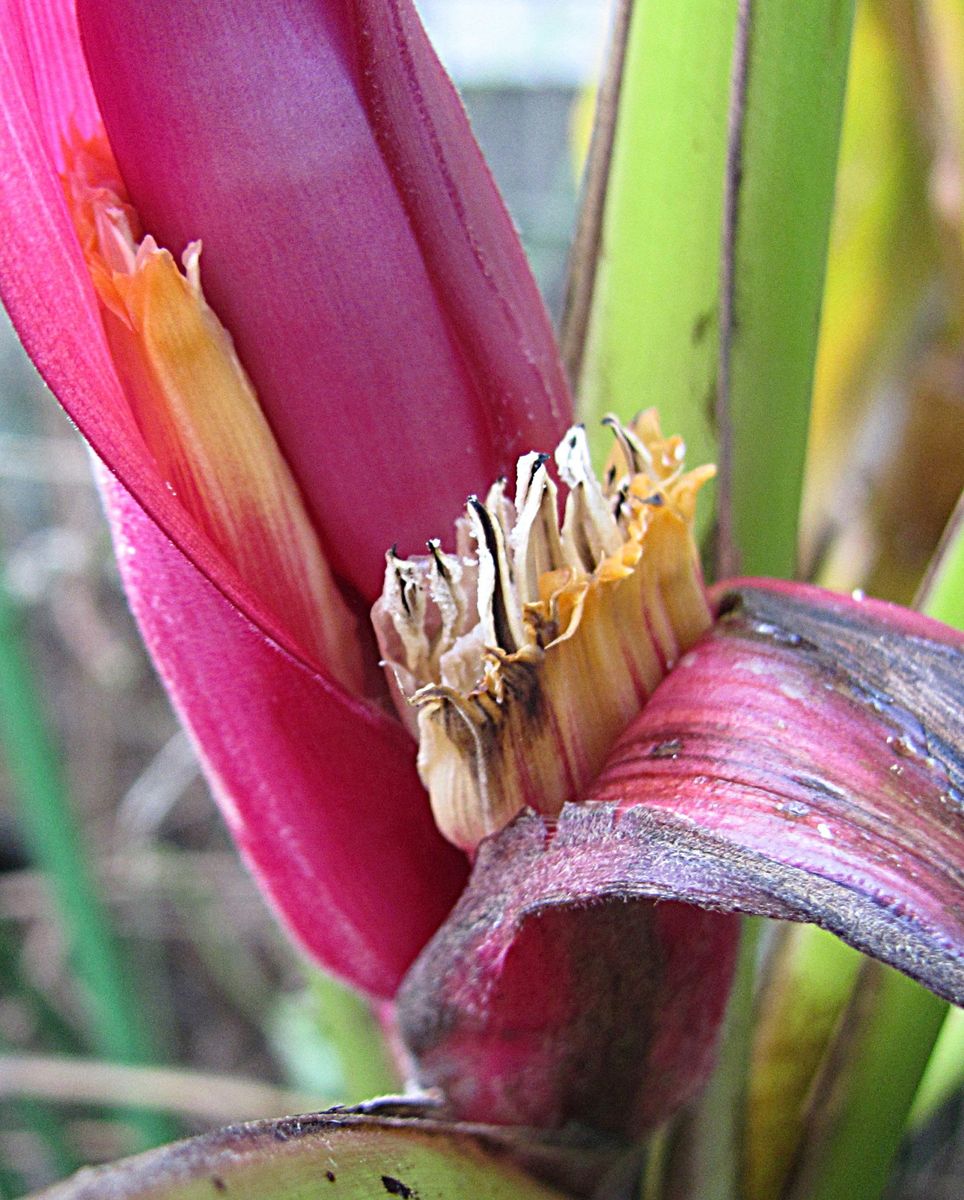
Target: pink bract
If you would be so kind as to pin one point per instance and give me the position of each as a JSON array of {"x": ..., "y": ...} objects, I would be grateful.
[
  {"x": 315, "y": 785},
  {"x": 354, "y": 245}
]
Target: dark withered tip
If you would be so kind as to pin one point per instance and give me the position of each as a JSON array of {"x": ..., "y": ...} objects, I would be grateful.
[{"x": 731, "y": 604}]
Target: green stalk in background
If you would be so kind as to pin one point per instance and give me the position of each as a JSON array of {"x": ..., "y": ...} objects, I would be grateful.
[
  {"x": 882, "y": 262},
  {"x": 786, "y": 111},
  {"x": 329, "y": 1042},
  {"x": 942, "y": 592},
  {"x": 809, "y": 979},
  {"x": 858, "y": 1124},
  {"x": 651, "y": 332},
  {"x": 706, "y": 1150},
  {"x": 714, "y": 229},
  {"x": 945, "y": 1070},
  {"x": 118, "y": 1026}
]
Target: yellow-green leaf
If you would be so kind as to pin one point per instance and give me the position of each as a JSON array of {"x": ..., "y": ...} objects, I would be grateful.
[{"x": 345, "y": 1156}]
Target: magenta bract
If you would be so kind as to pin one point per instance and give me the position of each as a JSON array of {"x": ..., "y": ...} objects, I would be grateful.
[
  {"x": 354, "y": 245},
  {"x": 314, "y": 774},
  {"x": 320, "y": 793}
]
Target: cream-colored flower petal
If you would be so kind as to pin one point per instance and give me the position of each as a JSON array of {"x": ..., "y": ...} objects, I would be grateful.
[{"x": 520, "y": 705}]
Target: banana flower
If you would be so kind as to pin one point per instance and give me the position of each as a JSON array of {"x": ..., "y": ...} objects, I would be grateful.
[{"x": 577, "y": 764}]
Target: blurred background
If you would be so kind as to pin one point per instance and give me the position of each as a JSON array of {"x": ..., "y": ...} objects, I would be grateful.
[{"x": 236, "y": 1028}]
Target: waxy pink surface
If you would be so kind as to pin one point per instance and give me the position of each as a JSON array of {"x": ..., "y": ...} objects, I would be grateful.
[
  {"x": 322, "y": 799},
  {"x": 825, "y": 734},
  {"x": 803, "y": 761}
]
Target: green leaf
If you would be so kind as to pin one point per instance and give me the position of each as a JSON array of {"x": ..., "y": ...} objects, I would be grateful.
[
  {"x": 809, "y": 979},
  {"x": 942, "y": 592},
  {"x": 330, "y": 1043},
  {"x": 341, "y": 1155},
  {"x": 882, "y": 260},
  {"x": 945, "y": 1069}
]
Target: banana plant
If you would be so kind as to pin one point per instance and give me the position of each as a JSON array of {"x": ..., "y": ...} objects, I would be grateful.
[{"x": 497, "y": 754}]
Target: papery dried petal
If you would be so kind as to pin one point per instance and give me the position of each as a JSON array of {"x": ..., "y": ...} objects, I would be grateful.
[{"x": 528, "y": 660}]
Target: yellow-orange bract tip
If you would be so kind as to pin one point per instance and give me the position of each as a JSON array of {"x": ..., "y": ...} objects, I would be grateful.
[{"x": 200, "y": 417}]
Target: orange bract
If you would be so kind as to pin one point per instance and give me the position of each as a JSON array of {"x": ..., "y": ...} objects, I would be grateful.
[{"x": 200, "y": 417}]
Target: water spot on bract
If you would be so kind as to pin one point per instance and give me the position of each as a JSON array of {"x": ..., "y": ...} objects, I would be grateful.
[
  {"x": 753, "y": 666},
  {"x": 776, "y": 633},
  {"x": 825, "y": 831},
  {"x": 793, "y": 809}
]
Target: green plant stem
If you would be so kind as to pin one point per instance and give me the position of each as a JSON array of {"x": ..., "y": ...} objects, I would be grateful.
[
  {"x": 809, "y": 980},
  {"x": 703, "y": 1151},
  {"x": 864, "y": 1117},
  {"x": 786, "y": 110},
  {"x": 346, "y": 1021},
  {"x": 118, "y": 1020},
  {"x": 944, "y": 1075},
  {"x": 653, "y": 325},
  {"x": 942, "y": 593},
  {"x": 706, "y": 300}
]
